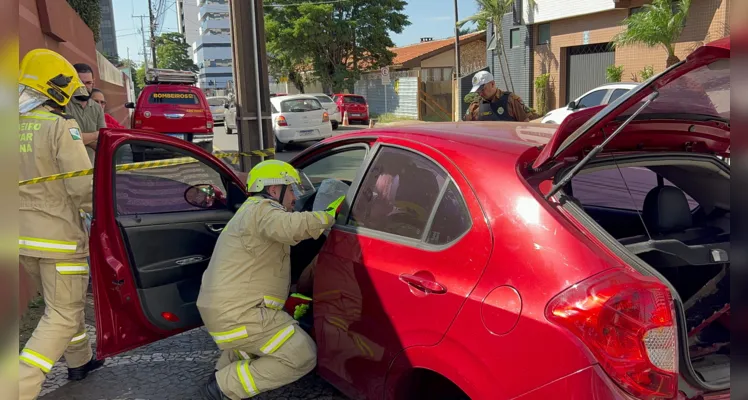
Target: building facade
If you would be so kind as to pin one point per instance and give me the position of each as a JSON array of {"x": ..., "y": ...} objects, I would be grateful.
[
  {"x": 212, "y": 49},
  {"x": 187, "y": 22},
  {"x": 107, "y": 44},
  {"x": 570, "y": 41}
]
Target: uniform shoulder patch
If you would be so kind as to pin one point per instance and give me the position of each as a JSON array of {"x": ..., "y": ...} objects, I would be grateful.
[{"x": 75, "y": 133}]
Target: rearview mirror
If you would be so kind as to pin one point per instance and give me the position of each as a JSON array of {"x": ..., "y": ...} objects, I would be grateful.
[
  {"x": 130, "y": 105},
  {"x": 204, "y": 196},
  {"x": 572, "y": 105}
]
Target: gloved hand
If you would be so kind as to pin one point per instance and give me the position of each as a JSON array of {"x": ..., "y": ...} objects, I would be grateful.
[
  {"x": 334, "y": 208},
  {"x": 297, "y": 305}
]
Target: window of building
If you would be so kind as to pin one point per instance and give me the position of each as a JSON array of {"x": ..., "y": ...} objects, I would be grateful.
[
  {"x": 544, "y": 33},
  {"x": 514, "y": 38},
  {"x": 398, "y": 194}
]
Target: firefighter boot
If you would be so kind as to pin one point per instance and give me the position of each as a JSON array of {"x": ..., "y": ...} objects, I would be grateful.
[
  {"x": 80, "y": 373},
  {"x": 211, "y": 391}
]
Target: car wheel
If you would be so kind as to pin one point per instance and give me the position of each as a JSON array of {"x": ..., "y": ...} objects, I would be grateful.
[
  {"x": 279, "y": 146},
  {"x": 334, "y": 125},
  {"x": 207, "y": 146}
]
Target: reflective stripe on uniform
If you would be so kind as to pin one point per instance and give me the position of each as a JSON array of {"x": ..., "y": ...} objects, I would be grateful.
[
  {"x": 242, "y": 354},
  {"x": 72, "y": 268},
  {"x": 322, "y": 216},
  {"x": 229, "y": 336},
  {"x": 78, "y": 338},
  {"x": 365, "y": 349},
  {"x": 301, "y": 296},
  {"x": 245, "y": 377},
  {"x": 37, "y": 360},
  {"x": 56, "y": 246},
  {"x": 278, "y": 339},
  {"x": 273, "y": 302},
  {"x": 38, "y": 115}
]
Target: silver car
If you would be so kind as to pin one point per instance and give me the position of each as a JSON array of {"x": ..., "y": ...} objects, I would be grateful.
[{"x": 218, "y": 108}]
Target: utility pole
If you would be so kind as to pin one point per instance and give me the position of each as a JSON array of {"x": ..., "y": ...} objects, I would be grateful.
[
  {"x": 142, "y": 33},
  {"x": 153, "y": 36},
  {"x": 253, "y": 119},
  {"x": 457, "y": 98}
]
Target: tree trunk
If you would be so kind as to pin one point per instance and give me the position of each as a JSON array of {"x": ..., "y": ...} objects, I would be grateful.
[
  {"x": 672, "y": 59},
  {"x": 297, "y": 81}
]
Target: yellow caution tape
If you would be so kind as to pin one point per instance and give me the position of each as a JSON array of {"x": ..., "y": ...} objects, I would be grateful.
[{"x": 147, "y": 164}]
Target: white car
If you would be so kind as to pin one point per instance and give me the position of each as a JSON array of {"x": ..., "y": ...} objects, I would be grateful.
[
  {"x": 217, "y": 106},
  {"x": 299, "y": 118},
  {"x": 600, "y": 95},
  {"x": 332, "y": 108}
]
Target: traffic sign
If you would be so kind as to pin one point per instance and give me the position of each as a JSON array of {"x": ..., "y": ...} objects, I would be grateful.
[{"x": 385, "y": 75}]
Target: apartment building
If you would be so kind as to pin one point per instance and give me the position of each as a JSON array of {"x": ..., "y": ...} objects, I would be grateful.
[
  {"x": 107, "y": 33},
  {"x": 570, "y": 40},
  {"x": 212, "y": 49},
  {"x": 187, "y": 24}
]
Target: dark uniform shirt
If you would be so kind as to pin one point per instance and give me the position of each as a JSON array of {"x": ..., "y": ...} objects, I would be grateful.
[{"x": 504, "y": 106}]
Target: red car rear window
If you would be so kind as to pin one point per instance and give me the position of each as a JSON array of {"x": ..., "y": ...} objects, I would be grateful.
[
  {"x": 354, "y": 99},
  {"x": 184, "y": 98}
]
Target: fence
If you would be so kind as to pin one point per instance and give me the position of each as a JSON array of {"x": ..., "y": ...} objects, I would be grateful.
[{"x": 399, "y": 96}]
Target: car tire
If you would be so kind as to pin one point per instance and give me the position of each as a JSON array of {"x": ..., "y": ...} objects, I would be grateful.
[
  {"x": 207, "y": 146},
  {"x": 280, "y": 147},
  {"x": 334, "y": 125}
]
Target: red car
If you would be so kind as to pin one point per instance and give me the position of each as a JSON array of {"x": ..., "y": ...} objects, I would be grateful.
[
  {"x": 171, "y": 104},
  {"x": 476, "y": 260},
  {"x": 355, "y": 105}
]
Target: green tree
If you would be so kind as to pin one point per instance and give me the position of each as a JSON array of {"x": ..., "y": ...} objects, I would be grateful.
[
  {"x": 139, "y": 79},
  {"x": 126, "y": 62},
  {"x": 90, "y": 13},
  {"x": 338, "y": 39},
  {"x": 658, "y": 24},
  {"x": 282, "y": 64},
  {"x": 468, "y": 30},
  {"x": 614, "y": 73},
  {"x": 492, "y": 12},
  {"x": 173, "y": 52}
]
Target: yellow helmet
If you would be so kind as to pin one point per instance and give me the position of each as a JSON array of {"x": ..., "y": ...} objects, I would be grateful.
[
  {"x": 50, "y": 74},
  {"x": 272, "y": 172}
]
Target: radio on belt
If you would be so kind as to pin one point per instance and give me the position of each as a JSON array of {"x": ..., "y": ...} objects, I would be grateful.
[{"x": 160, "y": 75}]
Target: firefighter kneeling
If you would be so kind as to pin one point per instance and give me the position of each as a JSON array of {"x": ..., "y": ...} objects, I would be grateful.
[{"x": 245, "y": 288}]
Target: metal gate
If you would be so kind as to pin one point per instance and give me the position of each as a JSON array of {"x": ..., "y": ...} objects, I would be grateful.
[{"x": 586, "y": 67}]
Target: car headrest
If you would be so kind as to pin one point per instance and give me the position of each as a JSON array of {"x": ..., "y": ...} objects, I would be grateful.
[{"x": 666, "y": 210}]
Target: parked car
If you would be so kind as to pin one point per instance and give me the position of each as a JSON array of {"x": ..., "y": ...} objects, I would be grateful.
[
  {"x": 218, "y": 106},
  {"x": 471, "y": 261},
  {"x": 171, "y": 104},
  {"x": 358, "y": 109},
  {"x": 598, "y": 96},
  {"x": 297, "y": 119},
  {"x": 332, "y": 109}
]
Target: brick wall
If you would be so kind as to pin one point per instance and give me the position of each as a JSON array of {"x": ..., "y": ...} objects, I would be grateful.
[
  {"x": 54, "y": 25},
  {"x": 707, "y": 21}
]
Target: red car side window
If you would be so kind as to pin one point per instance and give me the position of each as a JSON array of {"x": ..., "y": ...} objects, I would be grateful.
[{"x": 398, "y": 194}]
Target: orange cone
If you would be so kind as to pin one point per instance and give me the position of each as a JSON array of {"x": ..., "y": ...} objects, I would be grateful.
[{"x": 345, "y": 118}]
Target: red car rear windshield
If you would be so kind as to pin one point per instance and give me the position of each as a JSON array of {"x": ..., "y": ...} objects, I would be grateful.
[
  {"x": 354, "y": 99},
  {"x": 183, "y": 98}
]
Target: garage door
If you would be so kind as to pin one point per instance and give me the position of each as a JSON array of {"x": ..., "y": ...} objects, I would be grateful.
[{"x": 586, "y": 67}]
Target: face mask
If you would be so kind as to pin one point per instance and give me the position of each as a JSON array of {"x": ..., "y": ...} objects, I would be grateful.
[
  {"x": 29, "y": 99},
  {"x": 82, "y": 98}
]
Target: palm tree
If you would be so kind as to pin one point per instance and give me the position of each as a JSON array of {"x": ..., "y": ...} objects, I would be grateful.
[
  {"x": 658, "y": 24},
  {"x": 493, "y": 11}
]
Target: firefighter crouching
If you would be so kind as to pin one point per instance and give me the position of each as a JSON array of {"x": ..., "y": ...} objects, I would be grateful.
[
  {"x": 53, "y": 243},
  {"x": 247, "y": 283},
  {"x": 494, "y": 104}
]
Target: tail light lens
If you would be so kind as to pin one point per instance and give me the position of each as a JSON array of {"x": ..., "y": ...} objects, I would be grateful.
[
  {"x": 325, "y": 117},
  {"x": 628, "y": 323},
  {"x": 281, "y": 121}
]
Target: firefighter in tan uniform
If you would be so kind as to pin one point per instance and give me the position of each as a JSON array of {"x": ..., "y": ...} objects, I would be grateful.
[
  {"x": 53, "y": 244},
  {"x": 247, "y": 283}
]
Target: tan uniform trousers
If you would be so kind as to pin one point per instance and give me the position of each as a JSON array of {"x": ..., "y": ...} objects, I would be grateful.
[
  {"x": 247, "y": 368},
  {"x": 61, "y": 330}
]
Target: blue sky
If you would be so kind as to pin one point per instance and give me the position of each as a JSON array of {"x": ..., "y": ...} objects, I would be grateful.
[{"x": 429, "y": 18}]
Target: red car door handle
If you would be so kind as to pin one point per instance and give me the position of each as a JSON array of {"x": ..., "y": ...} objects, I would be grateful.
[{"x": 422, "y": 284}]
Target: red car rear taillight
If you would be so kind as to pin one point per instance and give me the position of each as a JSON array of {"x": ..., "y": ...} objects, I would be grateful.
[
  {"x": 628, "y": 323},
  {"x": 325, "y": 117},
  {"x": 281, "y": 121}
]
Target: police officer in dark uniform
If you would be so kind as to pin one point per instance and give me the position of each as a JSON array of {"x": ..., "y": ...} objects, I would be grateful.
[{"x": 494, "y": 104}]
